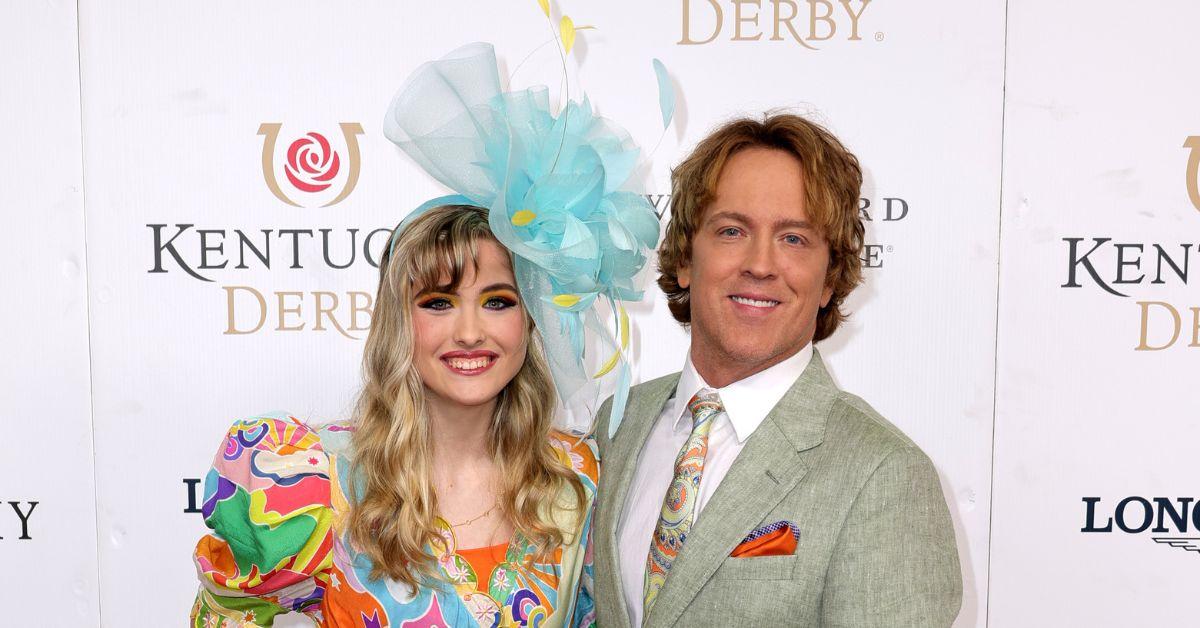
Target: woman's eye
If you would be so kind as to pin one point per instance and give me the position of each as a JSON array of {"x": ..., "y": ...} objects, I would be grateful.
[
  {"x": 498, "y": 303},
  {"x": 437, "y": 304}
]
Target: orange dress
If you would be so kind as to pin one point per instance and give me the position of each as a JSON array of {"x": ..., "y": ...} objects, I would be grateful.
[{"x": 484, "y": 560}]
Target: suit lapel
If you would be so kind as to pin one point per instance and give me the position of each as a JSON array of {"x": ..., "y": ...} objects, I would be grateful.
[
  {"x": 769, "y": 466},
  {"x": 616, "y": 475}
]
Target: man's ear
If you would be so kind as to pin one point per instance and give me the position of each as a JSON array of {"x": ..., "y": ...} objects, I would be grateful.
[
  {"x": 683, "y": 276},
  {"x": 826, "y": 295}
]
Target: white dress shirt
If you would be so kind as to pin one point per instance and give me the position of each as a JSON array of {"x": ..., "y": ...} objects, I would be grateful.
[{"x": 747, "y": 402}]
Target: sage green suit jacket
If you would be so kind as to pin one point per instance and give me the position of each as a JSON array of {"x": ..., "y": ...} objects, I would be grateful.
[{"x": 876, "y": 542}]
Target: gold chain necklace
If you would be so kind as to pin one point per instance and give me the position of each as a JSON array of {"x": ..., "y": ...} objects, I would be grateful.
[{"x": 473, "y": 520}]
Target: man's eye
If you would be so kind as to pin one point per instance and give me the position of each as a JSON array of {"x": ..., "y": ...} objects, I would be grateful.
[
  {"x": 436, "y": 303},
  {"x": 498, "y": 303},
  {"x": 730, "y": 231},
  {"x": 793, "y": 239}
]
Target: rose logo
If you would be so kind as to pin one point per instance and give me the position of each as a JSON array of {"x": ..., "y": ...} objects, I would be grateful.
[{"x": 311, "y": 163}]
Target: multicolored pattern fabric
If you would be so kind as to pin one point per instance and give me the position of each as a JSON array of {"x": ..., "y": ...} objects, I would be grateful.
[
  {"x": 679, "y": 506},
  {"x": 276, "y": 500}
]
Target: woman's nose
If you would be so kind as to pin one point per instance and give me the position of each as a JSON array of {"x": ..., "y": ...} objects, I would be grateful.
[{"x": 468, "y": 329}]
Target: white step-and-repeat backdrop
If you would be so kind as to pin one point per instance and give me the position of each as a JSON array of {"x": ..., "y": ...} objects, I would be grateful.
[
  {"x": 1094, "y": 516},
  {"x": 1031, "y": 201}
]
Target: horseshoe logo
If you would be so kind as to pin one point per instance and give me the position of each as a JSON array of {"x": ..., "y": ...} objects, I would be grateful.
[
  {"x": 312, "y": 163},
  {"x": 1193, "y": 170}
]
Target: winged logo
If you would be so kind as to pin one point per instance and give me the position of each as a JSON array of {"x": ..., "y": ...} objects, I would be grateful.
[{"x": 1189, "y": 544}]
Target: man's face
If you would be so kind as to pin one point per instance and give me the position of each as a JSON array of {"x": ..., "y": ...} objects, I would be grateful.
[{"x": 757, "y": 273}]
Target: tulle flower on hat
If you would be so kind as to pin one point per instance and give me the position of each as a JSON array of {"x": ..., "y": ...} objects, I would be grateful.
[{"x": 554, "y": 184}]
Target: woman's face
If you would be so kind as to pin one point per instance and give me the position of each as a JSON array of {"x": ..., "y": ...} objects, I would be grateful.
[{"x": 471, "y": 342}]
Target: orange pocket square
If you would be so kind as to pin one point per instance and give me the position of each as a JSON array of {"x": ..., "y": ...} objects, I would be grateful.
[{"x": 776, "y": 539}]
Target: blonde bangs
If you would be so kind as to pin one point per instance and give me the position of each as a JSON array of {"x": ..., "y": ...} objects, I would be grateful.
[{"x": 448, "y": 252}]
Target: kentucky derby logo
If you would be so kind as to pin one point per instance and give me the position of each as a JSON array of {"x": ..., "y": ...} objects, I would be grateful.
[
  {"x": 312, "y": 165},
  {"x": 1193, "y": 170}
]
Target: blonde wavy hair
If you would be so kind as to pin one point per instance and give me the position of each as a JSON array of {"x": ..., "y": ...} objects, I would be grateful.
[{"x": 394, "y": 508}]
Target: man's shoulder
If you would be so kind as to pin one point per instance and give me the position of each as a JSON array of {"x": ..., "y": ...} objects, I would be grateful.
[
  {"x": 855, "y": 429},
  {"x": 862, "y": 451},
  {"x": 859, "y": 416}
]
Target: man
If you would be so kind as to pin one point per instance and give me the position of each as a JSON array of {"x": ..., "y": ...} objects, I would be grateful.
[{"x": 748, "y": 490}]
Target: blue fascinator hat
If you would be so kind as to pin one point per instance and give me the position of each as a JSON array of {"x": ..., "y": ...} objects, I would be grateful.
[{"x": 554, "y": 187}]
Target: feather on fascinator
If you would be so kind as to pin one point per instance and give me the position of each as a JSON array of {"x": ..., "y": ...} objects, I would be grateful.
[{"x": 553, "y": 185}]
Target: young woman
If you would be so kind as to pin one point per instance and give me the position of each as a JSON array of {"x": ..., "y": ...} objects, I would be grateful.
[{"x": 447, "y": 500}]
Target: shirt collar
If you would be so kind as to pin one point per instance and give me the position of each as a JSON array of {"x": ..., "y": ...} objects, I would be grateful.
[{"x": 749, "y": 400}]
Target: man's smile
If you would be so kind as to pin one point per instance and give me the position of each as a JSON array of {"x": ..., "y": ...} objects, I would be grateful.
[{"x": 754, "y": 301}]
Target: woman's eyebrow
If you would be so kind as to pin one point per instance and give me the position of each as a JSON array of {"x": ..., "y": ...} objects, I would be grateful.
[
  {"x": 499, "y": 286},
  {"x": 443, "y": 290}
]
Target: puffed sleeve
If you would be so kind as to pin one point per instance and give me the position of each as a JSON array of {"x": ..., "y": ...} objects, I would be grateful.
[{"x": 267, "y": 501}]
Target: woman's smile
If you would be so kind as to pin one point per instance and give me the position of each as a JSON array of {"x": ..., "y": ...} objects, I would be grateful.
[{"x": 469, "y": 362}]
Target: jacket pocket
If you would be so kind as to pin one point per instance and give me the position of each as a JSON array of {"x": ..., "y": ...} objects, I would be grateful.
[{"x": 757, "y": 568}]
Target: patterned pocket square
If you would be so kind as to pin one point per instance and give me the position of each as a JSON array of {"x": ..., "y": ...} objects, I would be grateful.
[{"x": 776, "y": 539}]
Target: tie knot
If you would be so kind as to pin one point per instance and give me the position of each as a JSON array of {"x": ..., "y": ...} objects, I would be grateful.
[{"x": 705, "y": 404}]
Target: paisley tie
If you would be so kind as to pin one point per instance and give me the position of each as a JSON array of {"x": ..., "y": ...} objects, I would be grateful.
[{"x": 679, "y": 506}]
